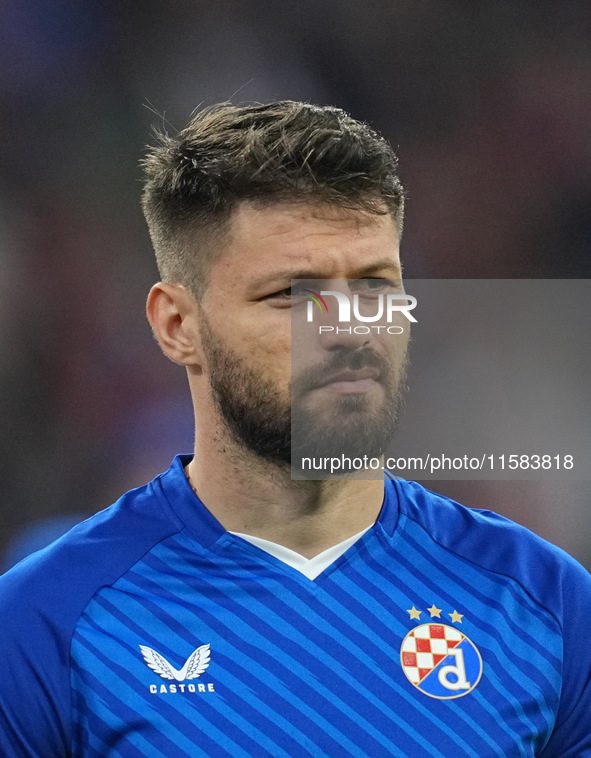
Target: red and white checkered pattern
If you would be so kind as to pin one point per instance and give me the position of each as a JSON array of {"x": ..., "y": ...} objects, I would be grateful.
[{"x": 424, "y": 647}]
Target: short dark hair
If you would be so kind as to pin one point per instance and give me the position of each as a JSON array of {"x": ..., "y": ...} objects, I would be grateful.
[{"x": 283, "y": 151}]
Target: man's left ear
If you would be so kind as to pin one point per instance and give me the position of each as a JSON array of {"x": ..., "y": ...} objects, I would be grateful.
[{"x": 172, "y": 313}]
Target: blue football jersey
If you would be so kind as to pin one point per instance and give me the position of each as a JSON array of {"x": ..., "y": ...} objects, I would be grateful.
[{"x": 149, "y": 630}]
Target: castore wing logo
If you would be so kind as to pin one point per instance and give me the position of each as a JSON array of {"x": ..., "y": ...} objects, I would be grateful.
[{"x": 194, "y": 666}]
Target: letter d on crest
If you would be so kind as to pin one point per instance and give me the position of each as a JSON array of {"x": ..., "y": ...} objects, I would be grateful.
[{"x": 459, "y": 671}]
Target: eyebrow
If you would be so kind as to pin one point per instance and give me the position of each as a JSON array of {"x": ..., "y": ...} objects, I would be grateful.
[{"x": 289, "y": 274}]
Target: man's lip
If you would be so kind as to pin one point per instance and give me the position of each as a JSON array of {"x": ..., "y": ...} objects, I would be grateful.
[{"x": 350, "y": 376}]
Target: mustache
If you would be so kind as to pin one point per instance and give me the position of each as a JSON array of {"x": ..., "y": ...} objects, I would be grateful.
[{"x": 349, "y": 360}]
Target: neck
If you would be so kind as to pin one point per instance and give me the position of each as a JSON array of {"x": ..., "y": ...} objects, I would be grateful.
[{"x": 255, "y": 497}]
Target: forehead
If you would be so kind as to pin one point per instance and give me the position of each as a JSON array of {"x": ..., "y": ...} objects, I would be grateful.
[{"x": 315, "y": 241}]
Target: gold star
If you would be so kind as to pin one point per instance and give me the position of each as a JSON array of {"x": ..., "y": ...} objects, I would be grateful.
[
  {"x": 434, "y": 611},
  {"x": 456, "y": 617},
  {"x": 414, "y": 613}
]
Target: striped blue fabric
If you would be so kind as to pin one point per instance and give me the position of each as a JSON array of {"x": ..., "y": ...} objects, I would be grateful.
[{"x": 151, "y": 631}]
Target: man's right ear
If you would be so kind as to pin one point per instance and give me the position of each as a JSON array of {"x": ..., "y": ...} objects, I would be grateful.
[{"x": 172, "y": 313}]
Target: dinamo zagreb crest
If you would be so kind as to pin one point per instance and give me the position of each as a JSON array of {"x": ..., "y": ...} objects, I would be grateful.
[{"x": 440, "y": 661}]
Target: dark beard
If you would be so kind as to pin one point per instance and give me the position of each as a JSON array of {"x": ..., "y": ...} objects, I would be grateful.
[{"x": 259, "y": 418}]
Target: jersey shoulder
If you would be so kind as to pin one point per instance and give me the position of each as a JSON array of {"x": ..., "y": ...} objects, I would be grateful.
[
  {"x": 41, "y": 600},
  {"x": 91, "y": 555},
  {"x": 496, "y": 544}
]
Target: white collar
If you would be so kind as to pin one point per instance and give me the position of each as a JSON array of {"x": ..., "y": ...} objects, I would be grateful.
[{"x": 310, "y": 567}]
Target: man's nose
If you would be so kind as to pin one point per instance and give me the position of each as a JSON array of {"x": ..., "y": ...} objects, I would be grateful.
[
  {"x": 337, "y": 335},
  {"x": 338, "y": 324}
]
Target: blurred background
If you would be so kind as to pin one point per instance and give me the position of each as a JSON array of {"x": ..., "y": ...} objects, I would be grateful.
[{"x": 487, "y": 104}]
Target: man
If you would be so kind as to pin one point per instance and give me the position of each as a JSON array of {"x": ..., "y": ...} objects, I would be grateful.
[{"x": 230, "y": 608}]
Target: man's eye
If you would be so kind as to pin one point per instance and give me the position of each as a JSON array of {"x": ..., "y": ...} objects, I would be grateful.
[
  {"x": 282, "y": 293},
  {"x": 289, "y": 293}
]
